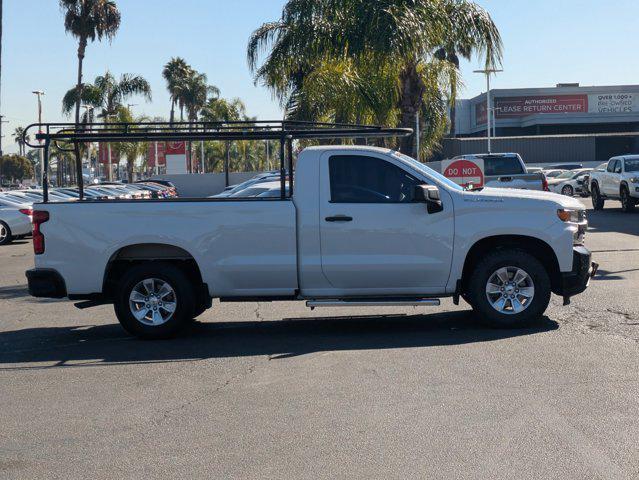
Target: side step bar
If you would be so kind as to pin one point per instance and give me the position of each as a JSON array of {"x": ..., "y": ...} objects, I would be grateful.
[{"x": 375, "y": 302}]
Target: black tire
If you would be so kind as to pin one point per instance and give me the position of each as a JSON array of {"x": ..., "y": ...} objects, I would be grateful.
[
  {"x": 597, "y": 199},
  {"x": 484, "y": 271},
  {"x": 627, "y": 202},
  {"x": 183, "y": 295},
  {"x": 5, "y": 234},
  {"x": 568, "y": 191}
]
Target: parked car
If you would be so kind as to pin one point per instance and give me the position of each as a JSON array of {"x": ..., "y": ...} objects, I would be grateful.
[
  {"x": 566, "y": 166},
  {"x": 619, "y": 181},
  {"x": 260, "y": 178},
  {"x": 14, "y": 223},
  {"x": 569, "y": 183},
  {"x": 365, "y": 226},
  {"x": 507, "y": 170},
  {"x": 553, "y": 173}
]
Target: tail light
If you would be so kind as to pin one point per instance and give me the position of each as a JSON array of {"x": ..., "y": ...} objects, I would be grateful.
[
  {"x": 544, "y": 184},
  {"x": 38, "y": 218},
  {"x": 28, "y": 212}
]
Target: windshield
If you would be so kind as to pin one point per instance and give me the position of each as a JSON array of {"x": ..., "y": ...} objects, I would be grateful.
[
  {"x": 632, "y": 165},
  {"x": 420, "y": 167},
  {"x": 502, "y": 165}
]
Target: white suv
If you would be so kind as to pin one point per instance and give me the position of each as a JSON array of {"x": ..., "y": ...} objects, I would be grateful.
[{"x": 620, "y": 180}]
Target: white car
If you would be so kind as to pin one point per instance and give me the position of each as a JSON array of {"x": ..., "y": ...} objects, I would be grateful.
[
  {"x": 14, "y": 223},
  {"x": 363, "y": 226},
  {"x": 553, "y": 173},
  {"x": 569, "y": 182},
  {"x": 620, "y": 180}
]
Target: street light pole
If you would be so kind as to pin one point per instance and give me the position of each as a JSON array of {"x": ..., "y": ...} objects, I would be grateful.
[
  {"x": 487, "y": 72},
  {"x": 39, "y": 94}
]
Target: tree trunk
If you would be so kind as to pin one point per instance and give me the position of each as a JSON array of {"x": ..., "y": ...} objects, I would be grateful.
[
  {"x": 129, "y": 170},
  {"x": 79, "y": 87},
  {"x": 411, "y": 93},
  {"x": 453, "y": 109},
  {"x": 172, "y": 109}
]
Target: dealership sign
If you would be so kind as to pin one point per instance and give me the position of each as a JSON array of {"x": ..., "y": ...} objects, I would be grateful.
[
  {"x": 515, "y": 107},
  {"x": 613, "y": 103},
  {"x": 465, "y": 172},
  {"x": 600, "y": 104}
]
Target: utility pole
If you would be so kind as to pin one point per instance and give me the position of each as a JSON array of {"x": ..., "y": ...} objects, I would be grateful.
[
  {"x": 488, "y": 72},
  {"x": 39, "y": 94},
  {"x": 89, "y": 116}
]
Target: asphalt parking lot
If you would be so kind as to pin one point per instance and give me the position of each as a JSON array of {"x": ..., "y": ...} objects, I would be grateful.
[{"x": 273, "y": 390}]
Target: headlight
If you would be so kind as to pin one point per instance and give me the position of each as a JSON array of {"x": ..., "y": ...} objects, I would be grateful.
[
  {"x": 634, "y": 180},
  {"x": 572, "y": 216}
]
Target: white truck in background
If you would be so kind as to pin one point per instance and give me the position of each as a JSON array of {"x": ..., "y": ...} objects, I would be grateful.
[
  {"x": 619, "y": 181},
  {"x": 496, "y": 170},
  {"x": 364, "y": 226}
]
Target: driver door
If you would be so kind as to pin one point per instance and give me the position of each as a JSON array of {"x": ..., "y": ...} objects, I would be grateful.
[{"x": 374, "y": 238}]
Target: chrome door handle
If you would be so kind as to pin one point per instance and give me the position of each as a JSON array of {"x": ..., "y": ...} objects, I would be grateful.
[{"x": 339, "y": 218}]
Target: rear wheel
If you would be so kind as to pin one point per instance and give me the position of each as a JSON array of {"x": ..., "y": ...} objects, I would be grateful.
[
  {"x": 567, "y": 190},
  {"x": 509, "y": 288},
  {"x": 627, "y": 202},
  {"x": 154, "y": 300},
  {"x": 5, "y": 234},
  {"x": 597, "y": 199}
]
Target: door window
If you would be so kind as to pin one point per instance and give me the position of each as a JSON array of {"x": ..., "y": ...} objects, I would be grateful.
[
  {"x": 363, "y": 179},
  {"x": 611, "y": 165}
]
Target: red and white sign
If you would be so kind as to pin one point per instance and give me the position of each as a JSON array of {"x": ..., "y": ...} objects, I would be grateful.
[
  {"x": 176, "y": 148},
  {"x": 103, "y": 154},
  {"x": 514, "y": 107},
  {"x": 464, "y": 172}
]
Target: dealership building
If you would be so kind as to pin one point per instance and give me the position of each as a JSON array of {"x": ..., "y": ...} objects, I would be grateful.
[{"x": 563, "y": 123}]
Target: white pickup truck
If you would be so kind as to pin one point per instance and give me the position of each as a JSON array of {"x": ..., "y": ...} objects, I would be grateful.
[
  {"x": 364, "y": 226},
  {"x": 619, "y": 181}
]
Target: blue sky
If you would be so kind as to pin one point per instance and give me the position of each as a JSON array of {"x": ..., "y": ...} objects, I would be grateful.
[{"x": 546, "y": 41}]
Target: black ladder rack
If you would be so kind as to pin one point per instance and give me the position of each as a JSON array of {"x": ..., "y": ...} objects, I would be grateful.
[{"x": 283, "y": 130}]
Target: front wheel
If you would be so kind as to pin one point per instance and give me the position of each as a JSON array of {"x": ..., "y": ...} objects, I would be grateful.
[
  {"x": 627, "y": 202},
  {"x": 5, "y": 234},
  {"x": 154, "y": 300},
  {"x": 509, "y": 288},
  {"x": 597, "y": 199}
]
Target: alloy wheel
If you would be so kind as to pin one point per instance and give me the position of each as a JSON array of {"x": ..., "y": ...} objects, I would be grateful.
[
  {"x": 152, "y": 302},
  {"x": 510, "y": 290}
]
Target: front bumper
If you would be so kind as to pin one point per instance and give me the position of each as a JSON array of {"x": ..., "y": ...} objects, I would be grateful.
[
  {"x": 46, "y": 283},
  {"x": 577, "y": 280}
]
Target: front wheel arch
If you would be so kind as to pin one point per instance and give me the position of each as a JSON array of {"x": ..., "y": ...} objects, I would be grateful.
[{"x": 538, "y": 248}]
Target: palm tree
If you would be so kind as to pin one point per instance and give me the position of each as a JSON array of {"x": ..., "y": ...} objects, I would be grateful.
[
  {"x": 394, "y": 34},
  {"x": 131, "y": 151},
  {"x": 175, "y": 72},
  {"x": 192, "y": 94},
  {"x": 222, "y": 110},
  {"x": 87, "y": 20},
  {"x": 108, "y": 93},
  {"x": 20, "y": 140}
]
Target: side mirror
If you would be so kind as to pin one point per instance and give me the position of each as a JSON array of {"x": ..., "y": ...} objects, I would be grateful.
[{"x": 429, "y": 194}]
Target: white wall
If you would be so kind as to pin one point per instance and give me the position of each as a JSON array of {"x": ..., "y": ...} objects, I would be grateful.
[{"x": 203, "y": 185}]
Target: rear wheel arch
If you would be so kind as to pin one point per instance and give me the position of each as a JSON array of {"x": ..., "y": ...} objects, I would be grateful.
[
  {"x": 536, "y": 247},
  {"x": 132, "y": 255}
]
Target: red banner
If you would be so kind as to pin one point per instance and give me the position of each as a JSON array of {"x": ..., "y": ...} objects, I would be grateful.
[
  {"x": 161, "y": 156},
  {"x": 176, "y": 148},
  {"x": 514, "y": 107}
]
